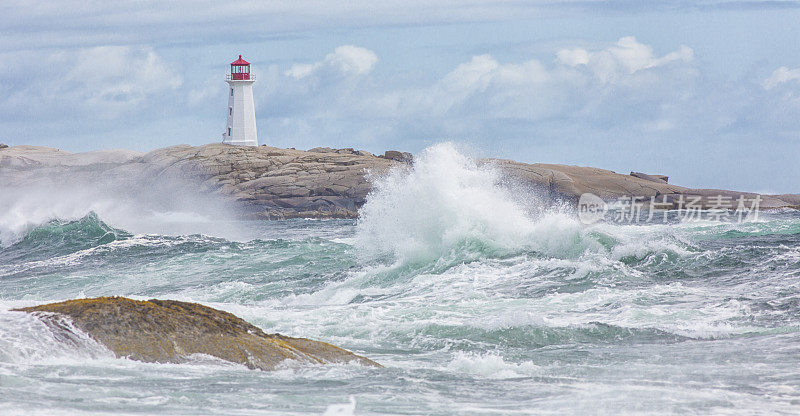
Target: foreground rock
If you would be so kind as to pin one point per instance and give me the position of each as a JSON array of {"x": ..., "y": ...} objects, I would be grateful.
[
  {"x": 170, "y": 331},
  {"x": 271, "y": 183}
]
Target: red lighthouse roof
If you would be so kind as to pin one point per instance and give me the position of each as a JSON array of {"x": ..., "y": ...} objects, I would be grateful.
[{"x": 240, "y": 61}]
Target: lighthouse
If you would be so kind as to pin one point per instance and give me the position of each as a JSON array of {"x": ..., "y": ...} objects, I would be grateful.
[{"x": 241, "y": 126}]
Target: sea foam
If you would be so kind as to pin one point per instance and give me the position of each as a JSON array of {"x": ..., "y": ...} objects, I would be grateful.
[
  {"x": 446, "y": 203},
  {"x": 447, "y": 208}
]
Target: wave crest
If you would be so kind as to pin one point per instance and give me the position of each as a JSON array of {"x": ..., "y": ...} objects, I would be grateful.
[
  {"x": 443, "y": 203},
  {"x": 59, "y": 237}
]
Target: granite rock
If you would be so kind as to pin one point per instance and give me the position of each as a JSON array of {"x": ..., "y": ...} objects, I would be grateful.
[
  {"x": 651, "y": 178},
  {"x": 271, "y": 183},
  {"x": 404, "y": 157},
  {"x": 169, "y": 331}
]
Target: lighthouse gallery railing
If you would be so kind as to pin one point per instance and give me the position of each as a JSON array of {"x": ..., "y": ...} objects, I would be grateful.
[{"x": 252, "y": 78}]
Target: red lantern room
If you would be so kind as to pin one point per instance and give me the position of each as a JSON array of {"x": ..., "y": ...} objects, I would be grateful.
[{"x": 240, "y": 69}]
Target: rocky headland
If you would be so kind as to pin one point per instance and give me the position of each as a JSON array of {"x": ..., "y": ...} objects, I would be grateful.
[
  {"x": 169, "y": 331},
  {"x": 272, "y": 183}
]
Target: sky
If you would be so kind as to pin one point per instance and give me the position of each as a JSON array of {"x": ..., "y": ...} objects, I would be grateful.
[{"x": 706, "y": 92}]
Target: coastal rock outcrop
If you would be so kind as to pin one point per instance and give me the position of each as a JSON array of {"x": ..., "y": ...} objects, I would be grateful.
[
  {"x": 570, "y": 182},
  {"x": 171, "y": 331},
  {"x": 271, "y": 183},
  {"x": 651, "y": 178},
  {"x": 404, "y": 157}
]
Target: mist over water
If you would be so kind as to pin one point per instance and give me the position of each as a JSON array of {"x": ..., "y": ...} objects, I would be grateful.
[
  {"x": 140, "y": 204},
  {"x": 479, "y": 298}
]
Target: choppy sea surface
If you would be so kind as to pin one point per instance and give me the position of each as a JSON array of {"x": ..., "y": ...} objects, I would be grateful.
[{"x": 478, "y": 298}]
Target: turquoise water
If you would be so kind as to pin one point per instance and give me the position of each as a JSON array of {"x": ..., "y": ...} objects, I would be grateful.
[{"x": 476, "y": 301}]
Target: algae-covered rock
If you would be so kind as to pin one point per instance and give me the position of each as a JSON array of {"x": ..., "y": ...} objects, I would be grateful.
[{"x": 170, "y": 331}]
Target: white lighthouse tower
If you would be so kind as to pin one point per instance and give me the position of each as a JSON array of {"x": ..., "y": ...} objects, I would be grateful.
[{"x": 241, "y": 127}]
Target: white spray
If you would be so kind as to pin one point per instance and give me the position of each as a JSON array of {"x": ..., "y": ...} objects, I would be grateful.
[{"x": 444, "y": 203}]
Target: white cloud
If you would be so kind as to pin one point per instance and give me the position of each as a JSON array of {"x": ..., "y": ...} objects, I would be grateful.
[
  {"x": 210, "y": 89},
  {"x": 103, "y": 81},
  {"x": 298, "y": 71},
  {"x": 626, "y": 57},
  {"x": 321, "y": 89},
  {"x": 467, "y": 75},
  {"x": 780, "y": 76},
  {"x": 573, "y": 57},
  {"x": 115, "y": 75},
  {"x": 625, "y": 79},
  {"x": 346, "y": 60},
  {"x": 352, "y": 59},
  {"x": 624, "y": 83}
]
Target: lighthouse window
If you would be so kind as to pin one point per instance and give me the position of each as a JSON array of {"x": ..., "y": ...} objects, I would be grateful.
[
  {"x": 229, "y": 131},
  {"x": 231, "y": 92},
  {"x": 230, "y": 111}
]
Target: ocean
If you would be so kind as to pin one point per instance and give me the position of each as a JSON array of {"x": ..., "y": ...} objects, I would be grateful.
[{"x": 478, "y": 296}]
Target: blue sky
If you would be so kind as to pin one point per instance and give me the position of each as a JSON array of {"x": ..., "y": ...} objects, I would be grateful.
[{"x": 707, "y": 92}]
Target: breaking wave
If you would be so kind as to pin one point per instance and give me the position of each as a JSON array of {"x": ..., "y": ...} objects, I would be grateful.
[
  {"x": 26, "y": 338},
  {"x": 447, "y": 209},
  {"x": 59, "y": 237},
  {"x": 167, "y": 207},
  {"x": 446, "y": 205}
]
